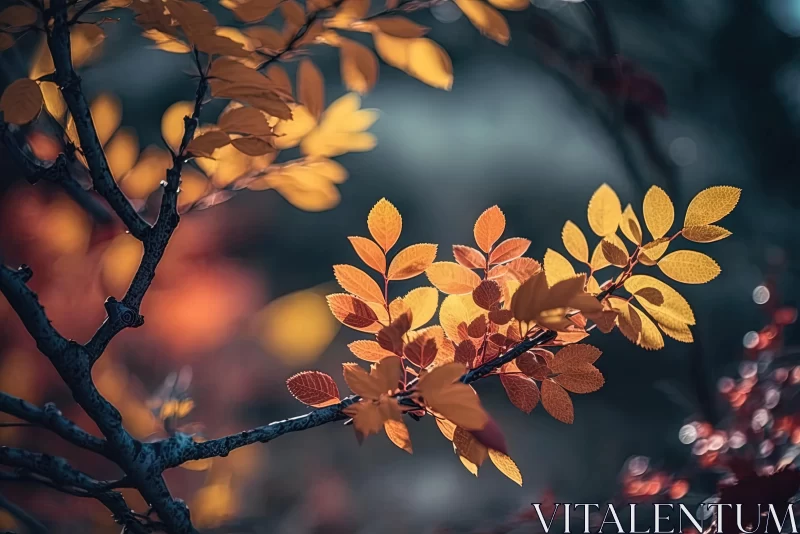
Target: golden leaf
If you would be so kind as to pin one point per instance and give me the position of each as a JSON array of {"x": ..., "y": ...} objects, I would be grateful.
[
  {"x": 313, "y": 388},
  {"x": 310, "y": 87},
  {"x": 636, "y": 326},
  {"x": 385, "y": 224},
  {"x": 630, "y": 225},
  {"x": 489, "y": 227},
  {"x": 166, "y": 42},
  {"x": 706, "y": 233},
  {"x": 293, "y": 13},
  {"x": 452, "y": 278},
  {"x": 689, "y": 267},
  {"x": 510, "y": 5},
  {"x": 447, "y": 428},
  {"x": 122, "y": 152},
  {"x": 471, "y": 467},
  {"x": 711, "y": 205},
  {"x": 486, "y": 19},
  {"x": 382, "y": 378},
  {"x": 18, "y": 16},
  {"x": 368, "y": 350},
  {"x": 353, "y": 312},
  {"x": 172, "y": 122},
  {"x": 21, "y": 101},
  {"x": 677, "y": 331},
  {"x": 557, "y": 402},
  {"x": 604, "y": 211},
  {"x": 412, "y": 261},
  {"x": 505, "y": 465},
  {"x": 290, "y": 132},
  {"x": 359, "y": 66},
  {"x": 468, "y": 447},
  {"x": 398, "y": 434},
  {"x": 369, "y": 252},
  {"x": 659, "y": 213},
  {"x": 367, "y": 418},
  {"x": 653, "y": 250},
  {"x": 613, "y": 254},
  {"x": 556, "y": 267},
  {"x": 660, "y": 300},
  {"x": 441, "y": 391},
  {"x": 422, "y": 302},
  {"x": 342, "y": 129},
  {"x": 358, "y": 283},
  {"x": 457, "y": 310},
  {"x": 575, "y": 242}
]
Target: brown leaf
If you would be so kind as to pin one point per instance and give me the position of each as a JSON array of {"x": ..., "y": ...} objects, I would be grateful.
[
  {"x": 477, "y": 328},
  {"x": 271, "y": 41},
  {"x": 557, "y": 402},
  {"x": 466, "y": 353},
  {"x": 21, "y": 101},
  {"x": 489, "y": 227},
  {"x": 384, "y": 377},
  {"x": 358, "y": 283},
  {"x": 205, "y": 144},
  {"x": 421, "y": 351},
  {"x": 521, "y": 390},
  {"x": 508, "y": 250},
  {"x": 313, "y": 388},
  {"x": 469, "y": 257},
  {"x": 293, "y": 13},
  {"x": 613, "y": 254},
  {"x": 400, "y": 27},
  {"x": 244, "y": 120},
  {"x": 458, "y": 402},
  {"x": 391, "y": 337},
  {"x": 253, "y": 146},
  {"x": 398, "y": 434},
  {"x": 500, "y": 317},
  {"x": 18, "y": 16},
  {"x": 353, "y": 312},
  {"x": 359, "y": 66},
  {"x": 412, "y": 261},
  {"x": 534, "y": 366},
  {"x": 573, "y": 357},
  {"x": 311, "y": 87},
  {"x": 467, "y": 446},
  {"x": 487, "y": 294},
  {"x": 369, "y": 253},
  {"x": 367, "y": 418},
  {"x": 584, "y": 380},
  {"x": 452, "y": 278},
  {"x": 255, "y": 10},
  {"x": 211, "y": 43}
]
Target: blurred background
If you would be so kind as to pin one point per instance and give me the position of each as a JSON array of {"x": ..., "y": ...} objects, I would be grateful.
[{"x": 712, "y": 98}]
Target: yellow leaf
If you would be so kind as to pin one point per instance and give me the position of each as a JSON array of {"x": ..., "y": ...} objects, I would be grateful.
[
  {"x": 398, "y": 434},
  {"x": 659, "y": 213},
  {"x": 289, "y": 132},
  {"x": 556, "y": 267},
  {"x": 471, "y": 467},
  {"x": 358, "y": 283},
  {"x": 677, "y": 331},
  {"x": 412, "y": 261},
  {"x": 429, "y": 63},
  {"x": 342, "y": 129},
  {"x": 575, "y": 242},
  {"x": 122, "y": 152},
  {"x": 711, "y": 205},
  {"x": 453, "y": 278},
  {"x": 505, "y": 465},
  {"x": 21, "y": 101},
  {"x": 689, "y": 267},
  {"x": 652, "y": 251},
  {"x": 166, "y": 42},
  {"x": 489, "y": 227},
  {"x": 660, "y": 300},
  {"x": 441, "y": 391},
  {"x": 172, "y": 122},
  {"x": 487, "y": 19},
  {"x": 630, "y": 225},
  {"x": 422, "y": 302},
  {"x": 53, "y": 99},
  {"x": 706, "y": 233},
  {"x": 457, "y": 310},
  {"x": 604, "y": 211},
  {"x": 310, "y": 87},
  {"x": 368, "y": 350},
  {"x": 384, "y": 223},
  {"x": 636, "y": 326},
  {"x": 369, "y": 253},
  {"x": 510, "y": 5}
]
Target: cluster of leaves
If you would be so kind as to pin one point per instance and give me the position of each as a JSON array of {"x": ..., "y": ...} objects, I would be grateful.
[{"x": 496, "y": 300}]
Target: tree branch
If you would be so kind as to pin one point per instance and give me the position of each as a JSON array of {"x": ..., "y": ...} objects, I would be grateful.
[{"x": 51, "y": 418}]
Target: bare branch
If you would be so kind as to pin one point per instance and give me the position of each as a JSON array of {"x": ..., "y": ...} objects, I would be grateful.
[{"x": 51, "y": 418}]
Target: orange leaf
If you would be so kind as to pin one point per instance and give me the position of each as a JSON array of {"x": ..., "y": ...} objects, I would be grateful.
[
  {"x": 368, "y": 350},
  {"x": 313, "y": 388},
  {"x": 205, "y": 144},
  {"x": 505, "y": 465},
  {"x": 353, "y": 312},
  {"x": 508, "y": 250},
  {"x": 248, "y": 121},
  {"x": 456, "y": 401},
  {"x": 382, "y": 378},
  {"x": 367, "y": 418},
  {"x": 534, "y": 364},
  {"x": 521, "y": 390},
  {"x": 489, "y": 227},
  {"x": 384, "y": 223},
  {"x": 585, "y": 380},
  {"x": 412, "y": 261},
  {"x": 311, "y": 87},
  {"x": 523, "y": 268},
  {"x": 391, "y": 337},
  {"x": 574, "y": 357},
  {"x": 398, "y": 434},
  {"x": 467, "y": 446},
  {"x": 358, "y": 283},
  {"x": 487, "y": 294},
  {"x": 452, "y": 278},
  {"x": 21, "y": 101},
  {"x": 369, "y": 253},
  {"x": 557, "y": 402},
  {"x": 358, "y": 65},
  {"x": 469, "y": 257}
]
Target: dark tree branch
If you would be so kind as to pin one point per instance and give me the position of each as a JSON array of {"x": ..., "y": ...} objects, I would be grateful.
[{"x": 51, "y": 418}]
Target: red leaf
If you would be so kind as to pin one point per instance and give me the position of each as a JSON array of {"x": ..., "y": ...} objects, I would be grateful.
[
  {"x": 487, "y": 294},
  {"x": 469, "y": 257},
  {"x": 313, "y": 388},
  {"x": 521, "y": 390}
]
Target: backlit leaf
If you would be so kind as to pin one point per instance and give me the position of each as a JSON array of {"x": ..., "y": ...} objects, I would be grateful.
[
  {"x": 457, "y": 310},
  {"x": 400, "y": 27},
  {"x": 398, "y": 434},
  {"x": 574, "y": 357},
  {"x": 384, "y": 376},
  {"x": 369, "y": 253},
  {"x": 689, "y": 267},
  {"x": 613, "y": 254},
  {"x": 166, "y": 42},
  {"x": 422, "y": 302},
  {"x": 384, "y": 223},
  {"x": 489, "y": 227},
  {"x": 659, "y": 214},
  {"x": 353, "y": 312},
  {"x": 711, "y": 205},
  {"x": 21, "y": 101},
  {"x": 358, "y": 283},
  {"x": 469, "y": 257},
  {"x": 660, "y": 300},
  {"x": 422, "y": 350},
  {"x": 311, "y": 87},
  {"x": 707, "y": 233},
  {"x": 508, "y": 250},
  {"x": 429, "y": 63},
  {"x": 468, "y": 447},
  {"x": 368, "y": 350},
  {"x": 172, "y": 125},
  {"x": 486, "y": 19},
  {"x": 458, "y": 402},
  {"x": 575, "y": 242},
  {"x": 452, "y": 278},
  {"x": 313, "y": 388},
  {"x": 244, "y": 120},
  {"x": 412, "y": 261},
  {"x": 677, "y": 331},
  {"x": 584, "y": 380},
  {"x": 652, "y": 251},
  {"x": 604, "y": 211},
  {"x": 636, "y": 326},
  {"x": 556, "y": 267},
  {"x": 367, "y": 418},
  {"x": 505, "y": 465},
  {"x": 630, "y": 225},
  {"x": 521, "y": 390},
  {"x": 487, "y": 294},
  {"x": 557, "y": 402}
]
